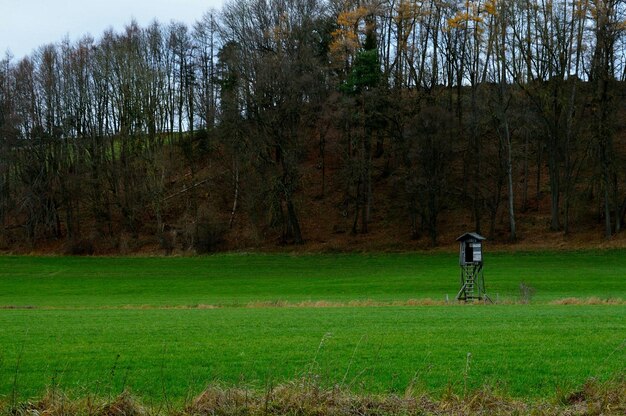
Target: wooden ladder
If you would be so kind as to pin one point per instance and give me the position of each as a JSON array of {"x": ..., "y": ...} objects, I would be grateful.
[{"x": 469, "y": 288}]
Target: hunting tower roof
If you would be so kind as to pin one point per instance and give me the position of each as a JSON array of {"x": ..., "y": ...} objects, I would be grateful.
[{"x": 468, "y": 236}]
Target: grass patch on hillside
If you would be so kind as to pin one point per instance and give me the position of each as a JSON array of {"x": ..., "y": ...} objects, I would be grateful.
[{"x": 168, "y": 327}]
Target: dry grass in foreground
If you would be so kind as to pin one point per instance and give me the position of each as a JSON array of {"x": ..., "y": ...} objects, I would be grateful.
[{"x": 305, "y": 399}]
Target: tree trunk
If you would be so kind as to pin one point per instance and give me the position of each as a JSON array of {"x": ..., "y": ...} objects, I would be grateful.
[
  {"x": 525, "y": 188},
  {"x": 367, "y": 183},
  {"x": 509, "y": 171},
  {"x": 236, "y": 196},
  {"x": 293, "y": 223},
  {"x": 555, "y": 191}
]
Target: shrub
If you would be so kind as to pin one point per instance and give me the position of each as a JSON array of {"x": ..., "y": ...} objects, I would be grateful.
[
  {"x": 526, "y": 292},
  {"x": 82, "y": 247},
  {"x": 209, "y": 236}
]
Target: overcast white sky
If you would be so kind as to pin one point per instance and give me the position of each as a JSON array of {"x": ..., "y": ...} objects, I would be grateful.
[{"x": 27, "y": 24}]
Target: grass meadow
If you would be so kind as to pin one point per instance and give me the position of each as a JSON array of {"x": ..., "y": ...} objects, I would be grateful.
[{"x": 165, "y": 328}]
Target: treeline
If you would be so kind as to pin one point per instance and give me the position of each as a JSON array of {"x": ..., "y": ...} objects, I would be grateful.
[{"x": 185, "y": 133}]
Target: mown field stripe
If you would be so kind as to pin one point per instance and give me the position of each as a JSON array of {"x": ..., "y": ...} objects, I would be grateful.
[
  {"x": 242, "y": 279},
  {"x": 367, "y": 303}
]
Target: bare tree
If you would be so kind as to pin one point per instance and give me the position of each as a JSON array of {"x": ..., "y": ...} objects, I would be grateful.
[{"x": 608, "y": 16}]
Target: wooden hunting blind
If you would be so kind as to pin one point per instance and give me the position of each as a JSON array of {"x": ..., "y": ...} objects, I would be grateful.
[{"x": 471, "y": 262}]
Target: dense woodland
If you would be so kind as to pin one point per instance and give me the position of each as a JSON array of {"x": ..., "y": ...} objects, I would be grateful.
[{"x": 382, "y": 113}]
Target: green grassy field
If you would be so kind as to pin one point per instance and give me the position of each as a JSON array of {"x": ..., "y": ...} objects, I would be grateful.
[{"x": 99, "y": 325}]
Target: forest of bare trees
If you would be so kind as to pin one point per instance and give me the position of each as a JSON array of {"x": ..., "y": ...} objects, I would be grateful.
[{"x": 189, "y": 134}]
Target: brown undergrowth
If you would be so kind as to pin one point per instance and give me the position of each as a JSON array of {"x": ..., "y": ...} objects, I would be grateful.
[{"x": 306, "y": 399}]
